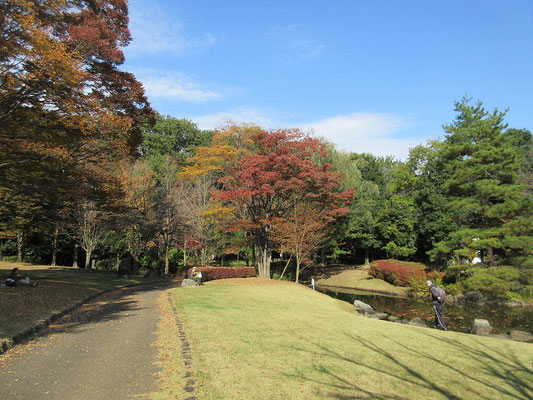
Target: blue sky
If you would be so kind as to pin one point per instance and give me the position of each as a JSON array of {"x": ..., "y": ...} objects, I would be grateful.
[{"x": 371, "y": 76}]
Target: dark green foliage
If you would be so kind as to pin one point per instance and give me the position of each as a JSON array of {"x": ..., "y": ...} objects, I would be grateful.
[
  {"x": 172, "y": 136},
  {"x": 495, "y": 282},
  {"x": 486, "y": 205}
]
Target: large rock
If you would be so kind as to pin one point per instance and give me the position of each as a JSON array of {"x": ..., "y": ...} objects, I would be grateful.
[
  {"x": 521, "y": 336},
  {"x": 189, "y": 283},
  {"x": 393, "y": 318},
  {"x": 363, "y": 308},
  {"x": 417, "y": 322},
  {"x": 381, "y": 315},
  {"x": 481, "y": 327}
]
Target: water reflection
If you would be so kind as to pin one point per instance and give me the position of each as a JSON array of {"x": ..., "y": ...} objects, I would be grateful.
[{"x": 458, "y": 317}]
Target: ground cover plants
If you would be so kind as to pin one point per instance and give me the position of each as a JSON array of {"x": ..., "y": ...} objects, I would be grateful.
[
  {"x": 400, "y": 273},
  {"x": 258, "y": 338}
]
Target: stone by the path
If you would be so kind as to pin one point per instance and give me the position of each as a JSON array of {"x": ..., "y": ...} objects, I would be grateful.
[
  {"x": 189, "y": 283},
  {"x": 520, "y": 336},
  {"x": 363, "y": 308},
  {"x": 481, "y": 327},
  {"x": 393, "y": 318}
]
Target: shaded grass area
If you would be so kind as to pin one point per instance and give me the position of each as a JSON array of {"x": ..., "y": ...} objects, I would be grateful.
[
  {"x": 22, "y": 306},
  {"x": 261, "y": 339},
  {"x": 358, "y": 278}
]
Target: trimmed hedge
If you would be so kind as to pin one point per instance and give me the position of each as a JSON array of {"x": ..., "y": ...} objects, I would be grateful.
[
  {"x": 213, "y": 273},
  {"x": 398, "y": 273}
]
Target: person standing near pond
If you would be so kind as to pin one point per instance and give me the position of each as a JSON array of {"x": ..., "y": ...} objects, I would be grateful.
[{"x": 437, "y": 298}]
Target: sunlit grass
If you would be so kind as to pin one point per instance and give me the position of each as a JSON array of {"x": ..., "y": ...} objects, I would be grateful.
[{"x": 261, "y": 339}]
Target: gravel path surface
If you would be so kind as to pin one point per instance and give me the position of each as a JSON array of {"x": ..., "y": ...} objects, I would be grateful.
[{"x": 103, "y": 350}]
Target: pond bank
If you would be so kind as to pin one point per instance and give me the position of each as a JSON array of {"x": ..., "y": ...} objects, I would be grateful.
[{"x": 458, "y": 316}]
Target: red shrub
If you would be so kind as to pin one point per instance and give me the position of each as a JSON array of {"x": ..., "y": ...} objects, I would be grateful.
[
  {"x": 213, "y": 273},
  {"x": 397, "y": 272}
]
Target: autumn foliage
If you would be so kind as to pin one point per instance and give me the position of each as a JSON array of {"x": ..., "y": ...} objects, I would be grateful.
[
  {"x": 398, "y": 273},
  {"x": 279, "y": 172},
  {"x": 66, "y": 111}
]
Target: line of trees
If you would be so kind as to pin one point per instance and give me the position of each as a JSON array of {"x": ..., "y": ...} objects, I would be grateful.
[{"x": 86, "y": 164}]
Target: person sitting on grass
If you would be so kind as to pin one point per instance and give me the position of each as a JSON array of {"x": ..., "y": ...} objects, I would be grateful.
[
  {"x": 16, "y": 279},
  {"x": 196, "y": 275}
]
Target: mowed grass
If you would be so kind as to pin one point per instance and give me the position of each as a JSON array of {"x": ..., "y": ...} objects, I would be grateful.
[
  {"x": 261, "y": 339},
  {"x": 22, "y": 306},
  {"x": 359, "y": 278}
]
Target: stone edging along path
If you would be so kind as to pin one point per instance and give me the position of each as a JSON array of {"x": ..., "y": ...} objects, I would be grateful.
[
  {"x": 190, "y": 386},
  {"x": 41, "y": 324}
]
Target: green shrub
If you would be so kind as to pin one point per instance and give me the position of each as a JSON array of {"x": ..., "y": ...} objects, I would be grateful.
[
  {"x": 505, "y": 273},
  {"x": 494, "y": 282},
  {"x": 149, "y": 262},
  {"x": 487, "y": 284},
  {"x": 526, "y": 276}
]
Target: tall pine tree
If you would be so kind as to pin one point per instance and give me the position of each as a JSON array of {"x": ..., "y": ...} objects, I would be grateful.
[{"x": 486, "y": 203}]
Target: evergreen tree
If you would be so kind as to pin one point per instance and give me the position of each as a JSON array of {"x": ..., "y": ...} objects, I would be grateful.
[{"x": 486, "y": 202}]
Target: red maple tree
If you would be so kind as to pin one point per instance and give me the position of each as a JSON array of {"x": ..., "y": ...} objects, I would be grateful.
[{"x": 279, "y": 173}]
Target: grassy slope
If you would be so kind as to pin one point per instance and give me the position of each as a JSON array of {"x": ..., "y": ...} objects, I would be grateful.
[
  {"x": 260, "y": 339},
  {"x": 22, "y": 306},
  {"x": 358, "y": 278}
]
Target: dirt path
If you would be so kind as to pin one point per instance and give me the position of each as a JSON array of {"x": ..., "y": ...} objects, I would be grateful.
[{"x": 103, "y": 350}]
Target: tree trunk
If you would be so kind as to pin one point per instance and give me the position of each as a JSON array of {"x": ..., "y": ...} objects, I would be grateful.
[
  {"x": 135, "y": 265},
  {"x": 20, "y": 247},
  {"x": 75, "y": 256},
  {"x": 184, "y": 256},
  {"x": 263, "y": 262},
  {"x": 297, "y": 269},
  {"x": 367, "y": 259},
  {"x": 87, "y": 259},
  {"x": 54, "y": 246},
  {"x": 1, "y": 247},
  {"x": 166, "y": 261},
  {"x": 284, "y": 269},
  {"x": 490, "y": 256}
]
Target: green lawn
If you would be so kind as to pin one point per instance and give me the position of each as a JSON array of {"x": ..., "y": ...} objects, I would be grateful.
[
  {"x": 22, "y": 306},
  {"x": 260, "y": 339}
]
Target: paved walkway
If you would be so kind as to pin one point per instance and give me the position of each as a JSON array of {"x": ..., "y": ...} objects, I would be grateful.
[{"x": 103, "y": 350}]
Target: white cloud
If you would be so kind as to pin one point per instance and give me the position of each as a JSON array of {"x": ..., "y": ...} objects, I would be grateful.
[
  {"x": 175, "y": 86},
  {"x": 376, "y": 133},
  {"x": 294, "y": 44},
  {"x": 156, "y": 29},
  {"x": 380, "y": 134},
  {"x": 236, "y": 115}
]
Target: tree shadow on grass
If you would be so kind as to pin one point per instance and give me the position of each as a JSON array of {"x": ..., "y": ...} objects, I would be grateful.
[
  {"x": 491, "y": 367},
  {"x": 110, "y": 306}
]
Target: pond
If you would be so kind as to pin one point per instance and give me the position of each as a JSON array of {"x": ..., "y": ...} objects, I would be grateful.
[{"x": 458, "y": 317}]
